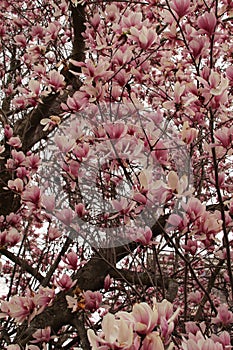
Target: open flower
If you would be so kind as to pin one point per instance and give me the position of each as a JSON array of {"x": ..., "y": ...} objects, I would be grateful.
[{"x": 117, "y": 334}]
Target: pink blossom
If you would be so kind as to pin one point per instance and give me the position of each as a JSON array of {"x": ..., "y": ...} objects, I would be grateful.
[
  {"x": 195, "y": 208},
  {"x": 37, "y": 31},
  {"x": 122, "y": 78},
  {"x": 16, "y": 185},
  {"x": 42, "y": 335},
  {"x": 181, "y": 7},
  {"x": 2, "y": 149},
  {"x": 34, "y": 86},
  {"x": 207, "y": 23},
  {"x": 55, "y": 80},
  {"x": 49, "y": 203},
  {"x": 160, "y": 153},
  {"x": 198, "y": 342},
  {"x": 166, "y": 329},
  {"x": 174, "y": 220},
  {"x": 152, "y": 341},
  {"x": 191, "y": 327},
  {"x": 20, "y": 40},
  {"x": 32, "y": 197},
  {"x": 74, "y": 304},
  {"x": 191, "y": 246},
  {"x": 73, "y": 103},
  {"x": 225, "y": 136},
  {"x": 144, "y": 37},
  {"x": 65, "y": 282},
  {"x": 94, "y": 72},
  {"x": 13, "y": 219},
  {"x": 65, "y": 215},
  {"x": 80, "y": 209},
  {"x": 224, "y": 339},
  {"x": 229, "y": 73},
  {"x": 140, "y": 199},
  {"x": 81, "y": 151},
  {"x": 224, "y": 316},
  {"x": 44, "y": 297},
  {"x": 32, "y": 347},
  {"x": 188, "y": 134},
  {"x": 195, "y": 297},
  {"x": 18, "y": 308},
  {"x": 197, "y": 45},
  {"x": 3, "y": 238},
  {"x": 50, "y": 122},
  {"x": 164, "y": 309},
  {"x": 145, "y": 318},
  {"x": 71, "y": 260},
  {"x": 145, "y": 237},
  {"x": 78, "y": 101},
  {"x": 22, "y": 173},
  {"x": 92, "y": 300},
  {"x": 73, "y": 169},
  {"x": 8, "y": 131},
  {"x": 179, "y": 91},
  {"x": 190, "y": 344},
  {"x": 32, "y": 162},
  {"x": 115, "y": 131},
  {"x": 123, "y": 206},
  {"x": 117, "y": 335},
  {"x": 53, "y": 233},
  {"x": 13, "y": 347},
  {"x": 64, "y": 143},
  {"x": 107, "y": 282},
  {"x": 95, "y": 20},
  {"x": 18, "y": 157},
  {"x": 13, "y": 237},
  {"x": 20, "y": 102},
  {"x": 15, "y": 142},
  {"x": 53, "y": 29}
]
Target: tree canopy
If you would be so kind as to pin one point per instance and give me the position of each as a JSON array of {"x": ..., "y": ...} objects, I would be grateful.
[{"x": 116, "y": 174}]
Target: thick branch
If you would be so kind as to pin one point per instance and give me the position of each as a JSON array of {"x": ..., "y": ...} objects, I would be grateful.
[
  {"x": 147, "y": 279},
  {"x": 22, "y": 263}
]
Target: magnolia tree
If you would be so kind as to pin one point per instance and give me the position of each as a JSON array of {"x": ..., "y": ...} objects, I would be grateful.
[{"x": 116, "y": 174}]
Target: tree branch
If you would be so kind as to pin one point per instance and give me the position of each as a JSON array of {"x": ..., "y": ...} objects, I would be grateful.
[
  {"x": 147, "y": 279},
  {"x": 22, "y": 263}
]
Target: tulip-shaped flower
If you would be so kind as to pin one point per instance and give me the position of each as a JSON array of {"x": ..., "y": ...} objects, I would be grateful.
[{"x": 145, "y": 318}]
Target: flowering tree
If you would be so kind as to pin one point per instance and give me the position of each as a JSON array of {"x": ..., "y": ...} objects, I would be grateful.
[{"x": 116, "y": 174}]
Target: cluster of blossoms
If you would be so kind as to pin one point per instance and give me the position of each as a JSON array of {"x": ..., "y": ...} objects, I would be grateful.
[
  {"x": 144, "y": 328},
  {"x": 147, "y": 328},
  {"x": 133, "y": 173},
  {"x": 27, "y": 307}
]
